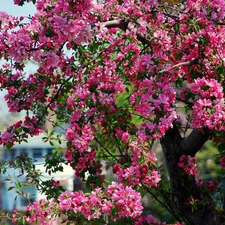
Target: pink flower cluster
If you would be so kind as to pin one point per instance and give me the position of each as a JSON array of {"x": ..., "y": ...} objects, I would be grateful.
[
  {"x": 55, "y": 23},
  {"x": 19, "y": 131},
  {"x": 79, "y": 154},
  {"x": 187, "y": 163},
  {"x": 8, "y": 22},
  {"x": 126, "y": 200},
  {"x": 97, "y": 203},
  {"x": 141, "y": 171},
  {"x": 222, "y": 162},
  {"x": 208, "y": 108},
  {"x": 82, "y": 162},
  {"x": 90, "y": 207},
  {"x": 19, "y": 2},
  {"x": 80, "y": 137},
  {"x": 210, "y": 185},
  {"x": 213, "y": 9},
  {"x": 42, "y": 210},
  {"x": 154, "y": 101},
  {"x": 150, "y": 220},
  {"x": 26, "y": 92}
]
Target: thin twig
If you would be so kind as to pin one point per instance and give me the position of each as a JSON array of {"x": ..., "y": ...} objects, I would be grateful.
[
  {"x": 188, "y": 63},
  {"x": 106, "y": 149}
]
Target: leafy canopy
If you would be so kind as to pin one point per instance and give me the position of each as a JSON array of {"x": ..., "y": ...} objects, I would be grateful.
[{"x": 117, "y": 72}]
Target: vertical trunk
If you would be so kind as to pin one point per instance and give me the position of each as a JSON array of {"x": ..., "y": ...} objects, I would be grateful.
[{"x": 191, "y": 202}]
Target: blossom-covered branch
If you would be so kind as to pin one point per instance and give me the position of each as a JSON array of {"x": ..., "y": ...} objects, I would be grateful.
[{"x": 124, "y": 25}]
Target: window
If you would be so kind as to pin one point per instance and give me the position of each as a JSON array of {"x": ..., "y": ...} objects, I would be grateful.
[
  {"x": 22, "y": 151},
  {"x": 9, "y": 154},
  {"x": 49, "y": 151},
  {"x": 37, "y": 153},
  {"x": 30, "y": 191}
]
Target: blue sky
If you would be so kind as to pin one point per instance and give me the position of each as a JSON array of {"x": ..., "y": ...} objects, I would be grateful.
[{"x": 9, "y": 7}]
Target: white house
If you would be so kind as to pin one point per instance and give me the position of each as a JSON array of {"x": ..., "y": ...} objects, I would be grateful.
[{"x": 36, "y": 149}]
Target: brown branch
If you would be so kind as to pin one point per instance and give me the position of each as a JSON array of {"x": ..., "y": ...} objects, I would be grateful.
[
  {"x": 52, "y": 100},
  {"x": 99, "y": 142},
  {"x": 188, "y": 63},
  {"x": 123, "y": 25},
  {"x": 195, "y": 141}
]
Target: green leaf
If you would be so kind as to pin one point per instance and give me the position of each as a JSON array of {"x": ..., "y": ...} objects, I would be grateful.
[
  {"x": 114, "y": 211},
  {"x": 179, "y": 83},
  {"x": 23, "y": 221},
  {"x": 176, "y": 27},
  {"x": 26, "y": 129},
  {"x": 9, "y": 146},
  {"x": 10, "y": 188},
  {"x": 18, "y": 184},
  {"x": 215, "y": 22},
  {"x": 7, "y": 179},
  {"x": 179, "y": 56},
  {"x": 203, "y": 41},
  {"x": 194, "y": 74}
]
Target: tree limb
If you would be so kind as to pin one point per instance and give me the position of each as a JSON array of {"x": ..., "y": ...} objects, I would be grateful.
[
  {"x": 188, "y": 63},
  {"x": 123, "y": 25},
  {"x": 193, "y": 143}
]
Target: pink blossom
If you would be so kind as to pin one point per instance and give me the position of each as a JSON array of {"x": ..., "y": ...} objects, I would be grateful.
[
  {"x": 208, "y": 109},
  {"x": 126, "y": 200},
  {"x": 56, "y": 183},
  {"x": 7, "y": 137},
  {"x": 188, "y": 164},
  {"x": 94, "y": 205},
  {"x": 212, "y": 186},
  {"x": 125, "y": 137},
  {"x": 222, "y": 162},
  {"x": 40, "y": 210},
  {"x": 154, "y": 98}
]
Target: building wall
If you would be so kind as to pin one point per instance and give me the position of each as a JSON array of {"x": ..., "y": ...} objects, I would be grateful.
[{"x": 9, "y": 200}]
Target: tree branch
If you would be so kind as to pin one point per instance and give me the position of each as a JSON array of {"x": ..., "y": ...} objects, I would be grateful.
[
  {"x": 188, "y": 63},
  {"x": 193, "y": 143},
  {"x": 123, "y": 25}
]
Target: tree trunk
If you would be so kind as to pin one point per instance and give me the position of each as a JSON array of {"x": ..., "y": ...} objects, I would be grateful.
[{"x": 192, "y": 203}]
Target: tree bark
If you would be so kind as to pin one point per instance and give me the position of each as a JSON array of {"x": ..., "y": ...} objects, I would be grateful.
[
  {"x": 192, "y": 203},
  {"x": 195, "y": 141}
]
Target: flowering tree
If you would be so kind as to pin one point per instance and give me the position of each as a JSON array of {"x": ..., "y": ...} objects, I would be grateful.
[{"x": 117, "y": 72}]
